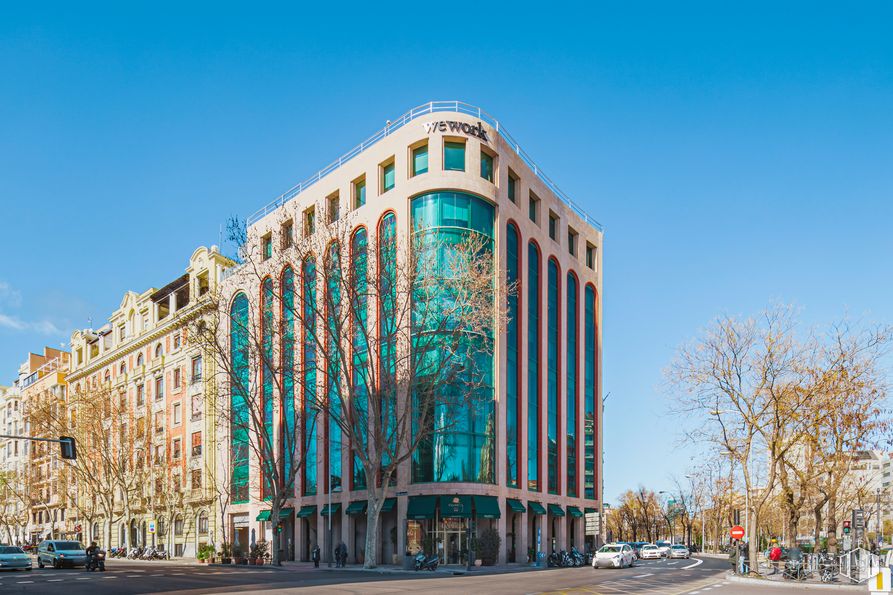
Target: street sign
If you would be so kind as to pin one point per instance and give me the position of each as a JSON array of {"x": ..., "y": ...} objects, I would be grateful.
[
  {"x": 151, "y": 527},
  {"x": 858, "y": 524},
  {"x": 737, "y": 532}
]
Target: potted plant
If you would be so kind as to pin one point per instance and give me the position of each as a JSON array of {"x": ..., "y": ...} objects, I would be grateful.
[
  {"x": 258, "y": 553},
  {"x": 225, "y": 553},
  {"x": 487, "y": 547},
  {"x": 205, "y": 552},
  {"x": 531, "y": 556},
  {"x": 237, "y": 555}
]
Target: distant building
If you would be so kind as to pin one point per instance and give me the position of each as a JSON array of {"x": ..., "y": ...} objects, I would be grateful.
[{"x": 13, "y": 463}]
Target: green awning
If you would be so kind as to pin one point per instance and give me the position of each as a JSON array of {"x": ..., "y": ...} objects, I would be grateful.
[
  {"x": 515, "y": 505},
  {"x": 285, "y": 512},
  {"x": 486, "y": 507},
  {"x": 333, "y": 508},
  {"x": 307, "y": 510},
  {"x": 536, "y": 507},
  {"x": 455, "y": 507},
  {"x": 389, "y": 504},
  {"x": 421, "y": 507},
  {"x": 589, "y": 510},
  {"x": 356, "y": 507},
  {"x": 574, "y": 512},
  {"x": 264, "y": 515},
  {"x": 555, "y": 510}
]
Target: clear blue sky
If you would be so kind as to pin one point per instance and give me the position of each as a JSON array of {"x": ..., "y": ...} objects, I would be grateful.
[{"x": 736, "y": 155}]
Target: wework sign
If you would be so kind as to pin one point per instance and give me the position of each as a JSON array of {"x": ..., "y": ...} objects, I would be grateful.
[{"x": 457, "y": 127}]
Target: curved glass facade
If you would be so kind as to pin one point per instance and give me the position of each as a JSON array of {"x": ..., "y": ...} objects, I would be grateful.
[
  {"x": 267, "y": 331},
  {"x": 533, "y": 367},
  {"x": 513, "y": 349},
  {"x": 239, "y": 383},
  {"x": 387, "y": 327},
  {"x": 462, "y": 446},
  {"x": 571, "y": 401},
  {"x": 310, "y": 411},
  {"x": 553, "y": 365},
  {"x": 359, "y": 368},
  {"x": 591, "y": 386},
  {"x": 333, "y": 369},
  {"x": 287, "y": 406}
]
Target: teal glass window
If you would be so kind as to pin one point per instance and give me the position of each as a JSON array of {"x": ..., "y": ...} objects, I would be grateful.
[
  {"x": 420, "y": 160},
  {"x": 311, "y": 406},
  {"x": 288, "y": 445},
  {"x": 486, "y": 166},
  {"x": 387, "y": 325},
  {"x": 512, "y": 188},
  {"x": 333, "y": 369},
  {"x": 571, "y": 386},
  {"x": 533, "y": 367},
  {"x": 552, "y": 370},
  {"x": 590, "y": 385},
  {"x": 359, "y": 193},
  {"x": 267, "y": 331},
  {"x": 462, "y": 426},
  {"x": 513, "y": 351},
  {"x": 360, "y": 373},
  {"x": 388, "y": 175},
  {"x": 240, "y": 385},
  {"x": 454, "y": 156}
]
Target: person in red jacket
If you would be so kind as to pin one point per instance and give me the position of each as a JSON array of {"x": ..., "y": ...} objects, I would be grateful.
[{"x": 775, "y": 556}]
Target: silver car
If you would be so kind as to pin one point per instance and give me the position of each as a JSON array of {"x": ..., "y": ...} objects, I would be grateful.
[{"x": 679, "y": 551}]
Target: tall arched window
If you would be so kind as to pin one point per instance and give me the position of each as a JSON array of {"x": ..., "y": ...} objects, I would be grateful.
[
  {"x": 267, "y": 332},
  {"x": 553, "y": 366},
  {"x": 158, "y": 350},
  {"x": 287, "y": 444},
  {"x": 571, "y": 391},
  {"x": 239, "y": 386},
  {"x": 360, "y": 376},
  {"x": 333, "y": 366},
  {"x": 534, "y": 409},
  {"x": 139, "y": 359},
  {"x": 387, "y": 328},
  {"x": 513, "y": 352},
  {"x": 310, "y": 406},
  {"x": 590, "y": 423}
]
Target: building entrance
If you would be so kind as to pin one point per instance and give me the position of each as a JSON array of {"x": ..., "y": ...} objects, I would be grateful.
[{"x": 452, "y": 546}]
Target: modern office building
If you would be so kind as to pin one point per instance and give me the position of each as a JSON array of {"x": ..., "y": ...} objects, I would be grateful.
[
  {"x": 142, "y": 391},
  {"x": 527, "y": 461}
]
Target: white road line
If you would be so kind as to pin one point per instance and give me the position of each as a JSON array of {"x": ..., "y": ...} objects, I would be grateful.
[
  {"x": 54, "y": 580},
  {"x": 696, "y": 563},
  {"x": 644, "y": 575},
  {"x": 23, "y": 582}
]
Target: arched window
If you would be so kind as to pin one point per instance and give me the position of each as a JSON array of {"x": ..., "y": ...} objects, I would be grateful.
[
  {"x": 572, "y": 338},
  {"x": 108, "y": 376},
  {"x": 158, "y": 350},
  {"x": 123, "y": 368},
  {"x": 360, "y": 374},
  {"x": 203, "y": 523},
  {"x": 139, "y": 359},
  {"x": 513, "y": 351},
  {"x": 311, "y": 407},
  {"x": 239, "y": 386},
  {"x": 288, "y": 446},
  {"x": 267, "y": 328},
  {"x": 534, "y": 408},
  {"x": 590, "y": 384},
  {"x": 178, "y": 526},
  {"x": 387, "y": 325},
  {"x": 333, "y": 365},
  {"x": 553, "y": 365}
]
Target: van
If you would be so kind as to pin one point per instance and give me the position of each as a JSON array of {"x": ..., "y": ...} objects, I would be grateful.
[{"x": 59, "y": 552}]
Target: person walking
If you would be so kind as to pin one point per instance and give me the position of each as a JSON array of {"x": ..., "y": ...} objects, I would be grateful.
[
  {"x": 775, "y": 556},
  {"x": 314, "y": 555},
  {"x": 733, "y": 558}
]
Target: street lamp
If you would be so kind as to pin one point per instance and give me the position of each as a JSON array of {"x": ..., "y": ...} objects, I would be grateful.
[{"x": 878, "y": 537}]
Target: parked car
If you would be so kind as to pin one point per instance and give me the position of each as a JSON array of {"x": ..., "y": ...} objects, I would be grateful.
[
  {"x": 650, "y": 551},
  {"x": 14, "y": 558},
  {"x": 679, "y": 551},
  {"x": 58, "y": 553},
  {"x": 614, "y": 555},
  {"x": 637, "y": 547},
  {"x": 664, "y": 547}
]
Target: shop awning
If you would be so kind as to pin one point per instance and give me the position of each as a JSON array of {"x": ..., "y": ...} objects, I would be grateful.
[
  {"x": 486, "y": 507},
  {"x": 307, "y": 510},
  {"x": 455, "y": 507},
  {"x": 330, "y": 508},
  {"x": 263, "y": 516},
  {"x": 555, "y": 510},
  {"x": 536, "y": 507},
  {"x": 515, "y": 505},
  {"x": 574, "y": 512},
  {"x": 356, "y": 507},
  {"x": 389, "y": 505},
  {"x": 421, "y": 507},
  {"x": 588, "y": 510},
  {"x": 284, "y": 513}
]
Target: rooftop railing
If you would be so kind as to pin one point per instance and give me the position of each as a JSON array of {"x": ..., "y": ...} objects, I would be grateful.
[{"x": 393, "y": 126}]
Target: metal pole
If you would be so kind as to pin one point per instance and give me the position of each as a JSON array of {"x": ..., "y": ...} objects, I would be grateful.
[
  {"x": 880, "y": 527},
  {"x": 329, "y": 495}
]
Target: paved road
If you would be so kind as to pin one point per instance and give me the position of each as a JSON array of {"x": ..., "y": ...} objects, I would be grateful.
[{"x": 695, "y": 577}]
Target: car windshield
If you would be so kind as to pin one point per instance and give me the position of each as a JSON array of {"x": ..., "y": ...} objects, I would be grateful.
[
  {"x": 649, "y": 547},
  {"x": 678, "y": 547},
  {"x": 8, "y": 549},
  {"x": 68, "y": 545},
  {"x": 609, "y": 549}
]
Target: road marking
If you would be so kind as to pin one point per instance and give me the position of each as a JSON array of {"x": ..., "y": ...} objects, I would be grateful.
[
  {"x": 696, "y": 563},
  {"x": 54, "y": 580},
  {"x": 23, "y": 582},
  {"x": 644, "y": 575}
]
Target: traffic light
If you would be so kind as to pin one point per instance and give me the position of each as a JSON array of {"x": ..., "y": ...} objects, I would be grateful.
[
  {"x": 846, "y": 527},
  {"x": 278, "y": 527},
  {"x": 69, "y": 449}
]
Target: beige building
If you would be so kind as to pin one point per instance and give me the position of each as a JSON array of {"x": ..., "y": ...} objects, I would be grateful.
[{"x": 155, "y": 405}]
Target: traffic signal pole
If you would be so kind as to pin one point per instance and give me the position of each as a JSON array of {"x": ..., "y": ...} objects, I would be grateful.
[{"x": 67, "y": 444}]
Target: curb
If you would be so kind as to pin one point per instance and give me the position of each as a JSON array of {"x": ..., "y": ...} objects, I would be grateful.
[{"x": 791, "y": 585}]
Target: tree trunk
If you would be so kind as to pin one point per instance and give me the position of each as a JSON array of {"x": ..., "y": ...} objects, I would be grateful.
[
  {"x": 832, "y": 525},
  {"x": 373, "y": 520},
  {"x": 274, "y": 520},
  {"x": 753, "y": 546}
]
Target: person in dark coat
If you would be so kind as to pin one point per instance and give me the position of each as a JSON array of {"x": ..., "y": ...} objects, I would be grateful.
[{"x": 314, "y": 555}]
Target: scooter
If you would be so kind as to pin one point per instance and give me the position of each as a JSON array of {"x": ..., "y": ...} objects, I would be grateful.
[
  {"x": 423, "y": 562},
  {"x": 96, "y": 561},
  {"x": 576, "y": 556}
]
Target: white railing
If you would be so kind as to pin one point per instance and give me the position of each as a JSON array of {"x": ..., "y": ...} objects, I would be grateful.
[{"x": 416, "y": 112}]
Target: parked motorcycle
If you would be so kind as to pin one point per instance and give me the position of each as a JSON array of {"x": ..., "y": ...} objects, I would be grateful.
[
  {"x": 793, "y": 567},
  {"x": 576, "y": 557},
  {"x": 96, "y": 561},
  {"x": 554, "y": 560},
  {"x": 423, "y": 562}
]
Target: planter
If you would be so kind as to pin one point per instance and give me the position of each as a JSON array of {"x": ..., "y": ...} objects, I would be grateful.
[
  {"x": 259, "y": 562},
  {"x": 251, "y": 561},
  {"x": 226, "y": 560}
]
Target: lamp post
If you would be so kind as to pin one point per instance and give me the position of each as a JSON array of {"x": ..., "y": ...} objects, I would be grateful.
[{"x": 878, "y": 537}]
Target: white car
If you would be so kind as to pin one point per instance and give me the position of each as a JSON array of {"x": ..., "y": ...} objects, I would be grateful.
[
  {"x": 650, "y": 552},
  {"x": 664, "y": 547},
  {"x": 679, "y": 551},
  {"x": 614, "y": 555}
]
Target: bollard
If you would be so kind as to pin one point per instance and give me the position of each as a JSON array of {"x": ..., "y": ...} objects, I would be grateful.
[{"x": 880, "y": 583}]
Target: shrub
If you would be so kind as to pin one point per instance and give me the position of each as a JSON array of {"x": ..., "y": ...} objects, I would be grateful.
[
  {"x": 205, "y": 551},
  {"x": 488, "y": 546}
]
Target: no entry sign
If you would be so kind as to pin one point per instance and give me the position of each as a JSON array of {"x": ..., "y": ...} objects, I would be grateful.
[{"x": 737, "y": 532}]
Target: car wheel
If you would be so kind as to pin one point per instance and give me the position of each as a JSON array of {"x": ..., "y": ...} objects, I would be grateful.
[
  {"x": 39, "y": 563},
  {"x": 28, "y": 569}
]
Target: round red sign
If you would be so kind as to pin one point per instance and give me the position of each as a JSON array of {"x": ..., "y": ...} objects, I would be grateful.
[{"x": 737, "y": 532}]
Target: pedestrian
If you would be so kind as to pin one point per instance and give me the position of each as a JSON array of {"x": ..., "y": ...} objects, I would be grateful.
[
  {"x": 341, "y": 553},
  {"x": 314, "y": 555},
  {"x": 775, "y": 556},
  {"x": 733, "y": 558}
]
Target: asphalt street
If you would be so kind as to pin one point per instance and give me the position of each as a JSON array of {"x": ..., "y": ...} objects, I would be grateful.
[{"x": 677, "y": 577}]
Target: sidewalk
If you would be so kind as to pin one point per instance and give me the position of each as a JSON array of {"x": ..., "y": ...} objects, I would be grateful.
[
  {"x": 386, "y": 568},
  {"x": 780, "y": 582}
]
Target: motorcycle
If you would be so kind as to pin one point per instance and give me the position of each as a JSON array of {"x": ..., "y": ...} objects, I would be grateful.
[
  {"x": 793, "y": 567},
  {"x": 96, "y": 561},
  {"x": 423, "y": 562},
  {"x": 577, "y": 557},
  {"x": 554, "y": 560},
  {"x": 827, "y": 568}
]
